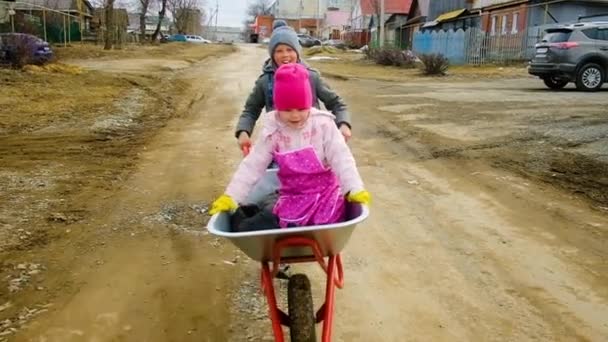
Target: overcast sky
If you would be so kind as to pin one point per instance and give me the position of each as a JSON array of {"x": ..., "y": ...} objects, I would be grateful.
[{"x": 232, "y": 12}]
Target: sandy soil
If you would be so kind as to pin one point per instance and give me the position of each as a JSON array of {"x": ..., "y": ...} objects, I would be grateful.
[{"x": 462, "y": 244}]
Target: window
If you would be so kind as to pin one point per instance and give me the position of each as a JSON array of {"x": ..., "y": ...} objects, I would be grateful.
[
  {"x": 557, "y": 36},
  {"x": 592, "y": 33},
  {"x": 493, "y": 26},
  {"x": 514, "y": 29},
  {"x": 602, "y": 34},
  {"x": 504, "y": 24}
]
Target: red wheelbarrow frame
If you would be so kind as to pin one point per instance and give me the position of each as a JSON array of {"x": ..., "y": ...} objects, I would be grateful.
[
  {"x": 332, "y": 268},
  {"x": 335, "y": 278}
]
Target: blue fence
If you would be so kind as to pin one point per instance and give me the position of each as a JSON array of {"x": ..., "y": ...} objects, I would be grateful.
[
  {"x": 452, "y": 44},
  {"x": 477, "y": 47}
]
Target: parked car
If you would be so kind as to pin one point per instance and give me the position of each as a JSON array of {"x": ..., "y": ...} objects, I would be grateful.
[
  {"x": 177, "y": 38},
  {"x": 308, "y": 41},
  {"x": 338, "y": 44},
  {"x": 38, "y": 51},
  {"x": 573, "y": 53},
  {"x": 197, "y": 39}
]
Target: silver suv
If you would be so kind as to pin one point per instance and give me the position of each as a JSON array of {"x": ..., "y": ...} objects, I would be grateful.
[{"x": 573, "y": 53}]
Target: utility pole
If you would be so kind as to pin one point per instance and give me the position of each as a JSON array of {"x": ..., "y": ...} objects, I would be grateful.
[
  {"x": 318, "y": 14},
  {"x": 300, "y": 8},
  {"x": 381, "y": 23}
]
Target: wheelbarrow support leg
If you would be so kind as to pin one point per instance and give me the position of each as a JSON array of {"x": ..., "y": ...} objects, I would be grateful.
[
  {"x": 335, "y": 278},
  {"x": 276, "y": 316}
]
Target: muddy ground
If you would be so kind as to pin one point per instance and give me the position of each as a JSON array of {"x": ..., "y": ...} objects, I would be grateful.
[{"x": 480, "y": 228}]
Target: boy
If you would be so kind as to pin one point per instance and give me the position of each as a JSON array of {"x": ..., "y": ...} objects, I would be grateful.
[{"x": 284, "y": 48}]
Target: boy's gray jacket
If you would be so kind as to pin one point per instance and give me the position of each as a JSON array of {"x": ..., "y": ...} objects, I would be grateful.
[{"x": 261, "y": 97}]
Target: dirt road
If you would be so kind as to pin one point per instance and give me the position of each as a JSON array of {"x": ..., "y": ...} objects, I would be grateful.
[{"x": 456, "y": 249}]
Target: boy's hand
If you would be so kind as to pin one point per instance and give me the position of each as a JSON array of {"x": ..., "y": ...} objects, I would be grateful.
[
  {"x": 362, "y": 197},
  {"x": 244, "y": 140},
  {"x": 346, "y": 132},
  {"x": 223, "y": 204}
]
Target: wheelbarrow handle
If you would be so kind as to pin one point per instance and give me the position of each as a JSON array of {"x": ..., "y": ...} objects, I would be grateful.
[{"x": 246, "y": 149}]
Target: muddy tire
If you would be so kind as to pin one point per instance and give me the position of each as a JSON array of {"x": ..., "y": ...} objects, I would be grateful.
[
  {"x": 590, "y": 77},
  {"x": 301, "y": 311},
  {"x": 555, "y": 84}
]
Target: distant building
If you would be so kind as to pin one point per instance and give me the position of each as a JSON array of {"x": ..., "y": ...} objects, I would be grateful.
[
  {"x": 223, "y": 33},
  {"x": 262, "y": 27},
  {"x": 151, "y": 23}
]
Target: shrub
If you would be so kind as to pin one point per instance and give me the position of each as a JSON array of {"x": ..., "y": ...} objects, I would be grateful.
[
  {"x": 390, "y": 56},
  {"x": 434, "y": 64},
  {"x": 21, "y": 50}
]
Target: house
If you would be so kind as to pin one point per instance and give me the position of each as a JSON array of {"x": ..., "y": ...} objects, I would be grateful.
[
  {"x": 49, "y": 19},
  {"x": 502, "y": 17},
  {"x": 451, "y": 14},
  {"x": 395, "y": 16},
  {"x": 419, "y": 11},
  {"x": 337, "y": 18},
  {"x": 334, "y": 23},
  {"x": 545, "y": 12},
  {"x": 357, "y": 32}
]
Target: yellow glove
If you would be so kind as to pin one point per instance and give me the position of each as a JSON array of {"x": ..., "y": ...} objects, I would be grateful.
[
  {"x": 223, "y": 204},
  {"x": 362, "y": 197}
]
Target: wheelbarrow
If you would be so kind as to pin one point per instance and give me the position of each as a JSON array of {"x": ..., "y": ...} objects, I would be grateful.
[{"x": 320, "y": 244}]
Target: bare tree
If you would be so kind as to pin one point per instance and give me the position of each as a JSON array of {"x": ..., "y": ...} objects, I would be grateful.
[
  {"x": 143, "y": 11},
  {"x": 185, "y": 13},
  {"x": 161, "y": 17},
  {"x": 109, "y": 37},
  {"x": 258, "y": 7}
]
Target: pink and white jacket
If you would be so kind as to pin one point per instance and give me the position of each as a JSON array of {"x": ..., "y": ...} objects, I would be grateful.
[{"x": 319, "y": 131}]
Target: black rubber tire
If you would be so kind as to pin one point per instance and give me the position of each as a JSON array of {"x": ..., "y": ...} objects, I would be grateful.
[
  {"x": 555, "y": 84},
  {"x": 580, "y": 85},
  {"x": 301, "y": 312}
]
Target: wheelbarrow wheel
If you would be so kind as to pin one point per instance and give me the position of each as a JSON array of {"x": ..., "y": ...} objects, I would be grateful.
[{"x": 301, "y": 311}]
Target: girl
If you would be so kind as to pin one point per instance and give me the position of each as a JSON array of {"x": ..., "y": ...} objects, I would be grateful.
[
  {"x": 316, "y": 167},
  {"x": 284, "y": 48}
]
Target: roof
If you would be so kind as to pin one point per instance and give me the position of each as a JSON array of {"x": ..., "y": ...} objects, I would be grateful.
[
  {"x": 450, "y": 15},
  {"x": 63, "y": 5},
  {"x": 390, "y": 6}
]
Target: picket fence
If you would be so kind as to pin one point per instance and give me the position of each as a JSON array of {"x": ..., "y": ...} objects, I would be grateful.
[{"x": 474, "y": 46}]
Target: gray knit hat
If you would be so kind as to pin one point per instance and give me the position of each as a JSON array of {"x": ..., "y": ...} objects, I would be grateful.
[{"x": 283, "y": 34}]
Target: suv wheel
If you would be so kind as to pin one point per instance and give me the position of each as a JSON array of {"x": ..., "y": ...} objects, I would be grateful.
[
  {"x": 555, "y": 83},
  {"x": 590, "y": 77}
]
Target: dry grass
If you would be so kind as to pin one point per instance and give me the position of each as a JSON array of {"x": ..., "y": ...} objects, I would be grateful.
[
  {"x": 183, "y": 51},
  {"x": 36, "y": 99},
  {"x": 56, "y": 93},
  {"x": 353, "y": 65}
]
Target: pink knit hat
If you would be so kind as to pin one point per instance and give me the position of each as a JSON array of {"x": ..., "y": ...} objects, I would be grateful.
[{"x": 292, "y": 88}]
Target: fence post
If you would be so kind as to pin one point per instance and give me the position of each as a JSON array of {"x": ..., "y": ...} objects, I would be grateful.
[
  {"x": 65, "y": 39},
  {"x": 68, "y": 19},
  {"x": 44, "y": 24}
]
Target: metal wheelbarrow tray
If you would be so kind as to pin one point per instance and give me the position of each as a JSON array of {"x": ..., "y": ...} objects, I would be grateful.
[{"x": 321, "y": 244}]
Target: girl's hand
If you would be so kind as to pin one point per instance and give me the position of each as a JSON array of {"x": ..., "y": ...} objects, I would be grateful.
[
  {"x": 223, "y": 204},
  {"x": 346, "y": 132},
  {"x": 244, "y": 140},
  {"x": 362, "y": 197}
]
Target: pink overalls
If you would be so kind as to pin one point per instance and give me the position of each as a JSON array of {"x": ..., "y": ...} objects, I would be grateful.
[{"x": 310, "y": 192}]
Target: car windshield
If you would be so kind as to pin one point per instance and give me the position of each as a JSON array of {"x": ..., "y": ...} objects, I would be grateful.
[{"x": 557, "y": 36}]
